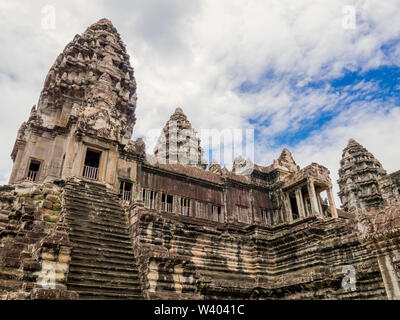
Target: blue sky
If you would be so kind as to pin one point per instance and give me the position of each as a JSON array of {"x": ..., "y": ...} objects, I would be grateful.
[
  {"x": 383, "y": 88},
  {"x": 289, "y": 69}
]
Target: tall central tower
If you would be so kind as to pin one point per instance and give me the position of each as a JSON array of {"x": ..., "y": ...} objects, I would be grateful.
[{"x": 86, "y": 110}]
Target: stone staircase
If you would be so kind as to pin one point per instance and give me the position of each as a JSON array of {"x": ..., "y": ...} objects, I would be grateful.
[{"x": 103, "y": 264}]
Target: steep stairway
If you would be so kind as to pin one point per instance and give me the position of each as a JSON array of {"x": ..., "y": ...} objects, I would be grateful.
[{"x": 103, "y": 264}]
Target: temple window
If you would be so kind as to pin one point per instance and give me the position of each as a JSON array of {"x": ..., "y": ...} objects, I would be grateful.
[
  {"x": 33, "y": 170},
  {"x": 243, "y": 214},
  {"x": 125, "y": 190},
  {"x": 264, "y": 216},
  {"x": 201, "y": 210},
  {"x": 149, "y": 198},
  {"x": 166, "y": 202},
  {"x": 271, "y": 218},
  {"x": 92, "y": 163},
  {"x": 295, "y": 210},
  {"x": 216, "y": 214},
  {"x": 185, "y": 206}
]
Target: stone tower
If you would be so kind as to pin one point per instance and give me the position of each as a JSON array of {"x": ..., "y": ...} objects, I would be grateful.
[
  {"x": 359, "y": 177},
  {"x": 179, "y": 142},
  {"x": 86, "y": 111}
]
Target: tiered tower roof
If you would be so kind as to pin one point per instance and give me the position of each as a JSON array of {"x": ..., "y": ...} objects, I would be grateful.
[
  {"x": 179, "y": 142},
  {"x": 358, "y": 178},
  {"x": 92, "y": 84}
]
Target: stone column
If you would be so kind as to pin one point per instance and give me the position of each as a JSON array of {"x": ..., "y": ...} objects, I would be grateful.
[
  {"x": 224, "y": 208},
  {"x": 319, "y": 200},
  {"x": 332, "y": 204},
  {"x": 308, "y": 213},
  {"x": 313, "y": 198},
  {"x": 390, "y": 278},
  {"x": 138, "y": 196},
  {"x": 300, "y": 203},
  {"x": 288, "y": 207},
  {"x": 16, "y": 166}
]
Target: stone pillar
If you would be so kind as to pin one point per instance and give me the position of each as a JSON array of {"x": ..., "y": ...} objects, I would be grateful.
[
  {"x": 308, "y": 213},
  {"x": 252, "y": 213},
  {"x": 16, "y": 166},
  {"x": 313, "y": 198},
  {"x": 319, "y": 200},
  {"x": 332, "y": 204},
  {"x": 138, "y": 196},
  {"x": 389, "y": 275},
  {"x": 288, "y": 207},
  {"x": 300, "y": 203},
  {"x": 224, "y": 208}
]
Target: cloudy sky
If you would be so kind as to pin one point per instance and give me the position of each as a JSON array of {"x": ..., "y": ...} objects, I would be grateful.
[{"x": 299, "y": 72}]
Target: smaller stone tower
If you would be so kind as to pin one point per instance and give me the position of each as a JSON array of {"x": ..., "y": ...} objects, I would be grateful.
[
  {"x": 359, "y": 177},
  {"x": 179, "y": 142}
]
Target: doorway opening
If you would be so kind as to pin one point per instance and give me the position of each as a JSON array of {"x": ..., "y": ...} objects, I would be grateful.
[
  {"x": 125, "y": 190},
  {"x": 166, "y": 202},
  {"x": 295, "y": 210},
  {"x": 92, "y": 163},
  {"x": 33, "y": 171}
]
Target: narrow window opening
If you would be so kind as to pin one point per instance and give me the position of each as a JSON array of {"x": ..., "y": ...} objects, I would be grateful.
[
  {"x": 185, "y": 207},
  {"x": 125, "y": 190},
  {"x": 295, "y": 211},
  {"x": 216, "y": 212},
  {"x": 33, "y": 171},
  {"x": 264, "y": 216},
  {"x": 92, "y": 163},
  {"x": 166, "y": 202},
  {"x": 149, "y": 199}
]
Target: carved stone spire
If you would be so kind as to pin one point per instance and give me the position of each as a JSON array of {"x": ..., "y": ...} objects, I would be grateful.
[
  {"x": 286, "y": 160},
  {"x": 89, "y": 95},
  {"x": 359, "y": 176},
  {"x": 179, "y": 142},
  {"x": 91, "y": 84}
]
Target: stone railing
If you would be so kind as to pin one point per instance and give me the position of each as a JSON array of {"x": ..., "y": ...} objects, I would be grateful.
[
  {"x": 31, "y": 176},
  {"x": 90, "y": 172}
]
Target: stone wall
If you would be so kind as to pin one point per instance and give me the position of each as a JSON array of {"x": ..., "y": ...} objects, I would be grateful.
[
  {"x": 34, "y": 243},
  {"x": 192, "y": 258}
]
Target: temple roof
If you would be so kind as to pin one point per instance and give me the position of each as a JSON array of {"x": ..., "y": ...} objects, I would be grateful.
[{"x": 179, "y": 142}]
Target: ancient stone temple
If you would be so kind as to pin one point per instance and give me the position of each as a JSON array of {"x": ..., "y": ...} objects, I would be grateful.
[{"x": 88, "y": 214}]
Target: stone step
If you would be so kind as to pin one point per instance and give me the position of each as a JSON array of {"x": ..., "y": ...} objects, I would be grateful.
[
  {"x": 101, "y": 261},
  {"x": 103, "y": 264},
  {"x": 85, "y": 230},
  {"x": 85, "y": 294},
  {"x": 98, "y": 223},
  {"x": 80, "y": 270},
  {"x": 83, "y": 247},
  {"x": 102, "y": 289},
  {"x": 101, "y": 240},
  {"x": 89, "y": 192},
  {"x": 99, "y": 226},
  {"x": 98, "y": 209},
  {"x": 105, "y": 254},
  {"x": 100, "y": 244},
  {"x": 90, "y": 202},
  {"x": 101, "y": 279},
  {"x": 85, "y": 209},
  {"x": 78, "y": 265}
]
